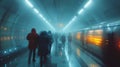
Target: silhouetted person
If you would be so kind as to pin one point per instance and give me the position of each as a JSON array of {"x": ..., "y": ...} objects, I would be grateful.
[
  {"x": 69, "y": 38},
  {"x": 56, "y": 38},
  {"x": 50, "y": 40},
  {"x": 69, "y": 43},
  {"x": 43, "y": 47},
  {"x": 63, "y": 39},
  {"x": 32, "y": 39},
  {"x": 56, "y": 42}
]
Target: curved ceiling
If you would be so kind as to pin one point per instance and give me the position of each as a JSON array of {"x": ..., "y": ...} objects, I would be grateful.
[{"x": 58, "y": 13}]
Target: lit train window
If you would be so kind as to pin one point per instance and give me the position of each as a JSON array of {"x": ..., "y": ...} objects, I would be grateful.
[
  {"x": 118, "y": 42},
  {"x": 78, "y": 36},
  {"x": 95, "y": 37},
  {"x": 90, "y": 32}
]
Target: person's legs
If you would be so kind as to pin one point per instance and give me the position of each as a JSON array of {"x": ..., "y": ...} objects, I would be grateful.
[
  {"x": 29, "y": 58},
  {"x": 34, "y": 52},
  {"x": 41, "y": 61},
  {"x": 45, "y": 58}
]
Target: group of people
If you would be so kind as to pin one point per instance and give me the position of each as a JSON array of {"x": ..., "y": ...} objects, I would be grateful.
[{"x": 42, "y": 42}]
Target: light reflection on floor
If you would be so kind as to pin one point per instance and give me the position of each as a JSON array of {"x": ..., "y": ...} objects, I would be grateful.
[{"x": 59, "y": 57}]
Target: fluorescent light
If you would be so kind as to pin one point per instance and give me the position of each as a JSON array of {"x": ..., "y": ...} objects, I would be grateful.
[
  {"x": 80, "y": 11},
  {"x": 41, "y": 16},
  {"x": 5, "y": 52},
  {"x": 15, "y": 48},
  {"x": 36, "y": 10},
  {"x": 86, "y": 5},
  {"x": 73, "y": 19},
  {"x": 10, "y": 50},
  {"x": 46, "y": 21},
  {"x": 108, "y": 25},
  {"x": 50, "y": 25},
  {"x": 28, "y": 2}
]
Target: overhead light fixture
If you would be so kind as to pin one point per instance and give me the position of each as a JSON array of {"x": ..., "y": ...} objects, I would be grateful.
[
  {"x": 41, "y": 16},
  {"x": 88, "y": 3},
  {"x": 73, "y": 19},
  {"x": 5, "y": 52},
  {"x": 35, "y": 10},
  {"x": 85, "y": 6},
  {"x": 30, "y": 4},
  {"x": 80, "y": 11}
]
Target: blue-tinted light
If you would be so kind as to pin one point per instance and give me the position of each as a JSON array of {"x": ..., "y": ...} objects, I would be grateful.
[
  {"x": 87, "y": 4},
  {"x": 5, "y": 65},
  {"x": 100, "y": 26},
  {"x": 10, "y": 50},
  {"x": 80, "y": 11},
  {"x": 50, "y": 25},
  {"x": 28, "y": 2},
  {"x": 87, "y": 28},
  {"x": 15, "y": 48},
  {"x": 5, "y": 52},
  {"x": 108, "y": 25},
  {"x": 66, "y": 54},
  {"x": 73, "y": 19},
  {"x": 36, "y": 10},
  {"x": 40, "y": 15},
  {"x": 46, "y": 22},
  {"x": 109, "y": 29}
]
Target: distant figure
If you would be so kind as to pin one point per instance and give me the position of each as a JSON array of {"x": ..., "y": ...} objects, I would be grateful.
[
  {"x": 32, "y": 39},
  {"x": 43, "y": 50},
  {"x": 69, "y": 43},
  {"x": 63, "y": 40},
  {"x": 50, "y": 40},
  {"x": 56, "y": 38},
  {"x": 56, "y": 42},
  {"x": 69, "y": 38}
]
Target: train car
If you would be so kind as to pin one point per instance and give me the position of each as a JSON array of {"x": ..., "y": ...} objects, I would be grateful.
[{"x": 102, "y": 41}]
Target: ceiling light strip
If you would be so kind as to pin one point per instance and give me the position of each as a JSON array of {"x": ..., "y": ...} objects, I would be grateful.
[
  {"x": 36, "y": 10},
  {"x": 41, "y": 16},
  {"x": 79, "y": 12},
  {"x": 73, "y": 19},
  {"x": 87, "y": 4},
  {"x": 30, "y": 4}
]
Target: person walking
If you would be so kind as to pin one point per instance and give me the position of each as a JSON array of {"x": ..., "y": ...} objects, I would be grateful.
[
  {"x": 43, "y": 47},
  {"x": 32, "y": 39}
]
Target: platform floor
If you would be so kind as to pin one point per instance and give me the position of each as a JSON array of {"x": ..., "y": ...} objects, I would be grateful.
[
  {"x": 56, "y": 59},
  {"x": 59, "y": 58}
]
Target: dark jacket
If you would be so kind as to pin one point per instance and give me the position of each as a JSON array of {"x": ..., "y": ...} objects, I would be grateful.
[
  {"x": 43, "y": 44},
  {"x": 32, "y": 38}
]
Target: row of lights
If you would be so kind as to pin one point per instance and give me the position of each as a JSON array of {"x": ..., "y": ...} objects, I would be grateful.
[
  {"x": 6, "y": 28},
  {"x": 75, "y": 17},
  {"x": 9, "y": 50},
  {"x": 5, "y": 38},
  {"x": 3, "y": 28},
  {"x": 86, "y": 5},
  {"x": 40, "y": 15}
]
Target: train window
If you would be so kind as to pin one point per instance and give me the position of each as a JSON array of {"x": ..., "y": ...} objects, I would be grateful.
[
  {"x": 78, "y": 36},
  {"x": 95, "y": 37}
]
